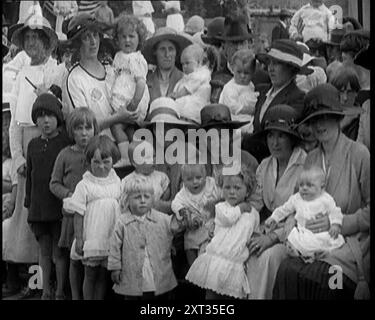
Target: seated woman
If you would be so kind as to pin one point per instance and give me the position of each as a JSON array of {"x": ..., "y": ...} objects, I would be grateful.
[
  {"x": 347, "y": 167},
  {"x": 277, "y": 177}
]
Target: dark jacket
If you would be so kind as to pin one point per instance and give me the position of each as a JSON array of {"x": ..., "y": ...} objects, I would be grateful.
[
  {"x": 279, "y": 32},
  {"x": 41, "y": 155}
]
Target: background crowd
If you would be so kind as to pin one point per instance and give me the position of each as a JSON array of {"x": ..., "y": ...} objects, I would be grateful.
[{"x": 80, "y": 79}]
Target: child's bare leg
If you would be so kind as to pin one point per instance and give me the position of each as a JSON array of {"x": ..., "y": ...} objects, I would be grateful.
[
  {"x": 191, "y": 255},
  {"x": 76, "y": 275},
  {"x": 89, "y": 283},
  {"x": 119, "y": 133},
  {"x": 45, "y": 261},
  {"x": 129, "y": 130},
  {"x": 61, "y": 261},
  {"x": 101, "y": 284}
]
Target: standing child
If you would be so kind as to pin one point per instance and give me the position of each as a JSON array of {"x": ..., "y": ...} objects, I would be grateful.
[
  {"x": 239, "y": 93},
  {"x": 221, "y": 268},
  {"x": 310, "y": 201},
  {"x": 140, "y": 257},
  {"x": 69, "y": 168},
  {"x": 129, "y": 90},
  {"x": 192, "y": 92},
  {"x": 44, "y": 208},
  {"x": 174, "y": 16},
  {"x": 146, "y": 171},
  {"x": 197, "y": 193},
  {"x": 96, "y": 208}
]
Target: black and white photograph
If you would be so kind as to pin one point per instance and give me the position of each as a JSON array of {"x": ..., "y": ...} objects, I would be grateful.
[{"x": 186, "y": 152}]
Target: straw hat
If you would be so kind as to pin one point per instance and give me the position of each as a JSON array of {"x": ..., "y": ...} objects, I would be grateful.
[
  {"x": 162, "y": 34},
  {"x": 33, "y": 22}
]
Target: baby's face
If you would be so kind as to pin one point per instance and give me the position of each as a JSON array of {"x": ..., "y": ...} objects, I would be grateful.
[
  {"x": 194, "y": 179},
  {"x": 189, "y": 62},
  {"x": 242, "y": 73},
  {"x": 140, "y": 202},
  {"x": 310, "y": 188}
]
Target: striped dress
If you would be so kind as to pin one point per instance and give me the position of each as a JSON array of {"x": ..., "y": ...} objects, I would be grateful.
[{"x": 83, "y": 6}]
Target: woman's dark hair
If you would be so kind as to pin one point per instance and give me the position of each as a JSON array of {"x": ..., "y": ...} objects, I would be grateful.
[
  {"x": 345, "y": 75},
  {"x": 353, "y": 21},
  {"x": 106, "y": 147},
  {"x": 41, "y": 35}
]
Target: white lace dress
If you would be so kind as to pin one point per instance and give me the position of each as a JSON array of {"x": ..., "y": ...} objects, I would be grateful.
[
  {"x": 127, "y": 68},
  {"x": 221, "y": 267},
  {"x": 97, "y": 200}
]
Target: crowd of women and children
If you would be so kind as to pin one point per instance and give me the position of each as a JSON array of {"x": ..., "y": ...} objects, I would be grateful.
[{"x": 101, "y": 224}]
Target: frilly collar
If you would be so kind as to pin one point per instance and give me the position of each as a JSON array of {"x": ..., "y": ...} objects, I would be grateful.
[{"x": 111, "y": 178}]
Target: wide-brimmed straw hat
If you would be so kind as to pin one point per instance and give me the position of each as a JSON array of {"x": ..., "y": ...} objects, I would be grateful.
[
  {"x": 214, "y": 29},
  {"x": 285, "y": 51},
  {"x": 282, "y": 118},
  {"x": 164, "y": 110},
  {"x": 34, "y": 22},
  {"x": 218, "y": 115},
  {"x": 324, "y": 99},
  {"x": 83, "y": 22},
  {"x": 161, "y": 34},
  {"x": 235, "y": 29}
]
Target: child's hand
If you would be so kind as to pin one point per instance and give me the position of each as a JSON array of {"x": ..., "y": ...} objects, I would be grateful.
[
  {"x": 132, "y": 106},
  {"x": 79, "y": 247},
  {"x": 173, "y": 95},
  {"x": 271, "y": 224},
  {"x": 22, "y": 170},
  {"x": 245, "y": 207},
  {"x": 116, "y": 276},
  {"x": 335, "y": 231}
]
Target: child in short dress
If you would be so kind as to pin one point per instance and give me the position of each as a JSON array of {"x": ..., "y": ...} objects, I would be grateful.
[
  {"x": 69, "y": 168},
  {"x": 221, "y": 269},
  {"x": 192, "y": 92},
  {"x": 129, "y": 89},
  {"x": 307, "y": 204},
  {"x": 140, "y": 255},
  {"x": 191, "y": 201},
  {"x": 44, "y": 208},
  {"x": 239, "y": 93},
  {"x": 96, "y": 208},
  {"x": 146, "y": 171}
]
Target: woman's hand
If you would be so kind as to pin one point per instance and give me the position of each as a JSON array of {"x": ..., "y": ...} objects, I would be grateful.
[
  {"x": 116, "y": 276},
  {"x": 259, "y": 243},
  {"x": 319, "y": 224}
]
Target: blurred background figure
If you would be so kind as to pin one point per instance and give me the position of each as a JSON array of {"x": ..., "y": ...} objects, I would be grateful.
[{"x": 143, "y": 10}]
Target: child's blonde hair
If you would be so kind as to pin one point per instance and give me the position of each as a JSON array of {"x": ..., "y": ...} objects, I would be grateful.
[
  {"x": 196, "y": 51},
  {"x": 126, "y": 20},
  {"x": 138, "y": 184},
  {"x": 80, "y": 116},
  {"x": 246, "y": 57}
]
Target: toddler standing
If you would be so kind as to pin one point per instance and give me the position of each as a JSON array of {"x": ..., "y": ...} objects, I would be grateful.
[
  {"x": 96, "y": 208},
  {"x": 310, "y": 201},
  {"x": 69, "y": 168},
  {"x": 44, "y": 208},
  {"x": 192, "y": 92},
  {"x": 129, "y": 89},
  {"x": 191, "y": 202},
  {"x": 221, "y": 270},
  {"x": 239, "y": 93},
  {"x": 140, "y": 256}
]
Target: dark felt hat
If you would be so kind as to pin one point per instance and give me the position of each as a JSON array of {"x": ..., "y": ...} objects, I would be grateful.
[
  {"x": 336, "y": 37},
  {"x": 235, "y": 29},
  {"x": 214, "y": 29},
  {"x": 281, "y": 118},
  {"x": 48, "y": 102},
  {"x": 284, "y": 13},
  {"x": 218, "y": 115}
]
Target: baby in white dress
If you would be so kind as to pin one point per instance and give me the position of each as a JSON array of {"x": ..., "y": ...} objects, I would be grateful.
[
  {"x": 129, "y": 91},
  {"x": 193, "y": 91},
  {"x": 239, "y": 93},
  {"x": 310, "y": 201},
  {"x": 190, "y": 202}
]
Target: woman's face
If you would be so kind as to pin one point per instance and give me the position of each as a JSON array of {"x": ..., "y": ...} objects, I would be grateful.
[
  {"x": 90, "y": 42},
  {"x": 347, "y": 96},
  {"x": 325, "y": 127},
  {"x": 34, "y": 46},
  {"x": 165, "y": 55},
  {"x": 279, "y": 73},
  {"x": 279, "y": 144}
]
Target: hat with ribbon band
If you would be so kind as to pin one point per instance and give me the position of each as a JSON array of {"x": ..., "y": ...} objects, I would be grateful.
[{"x": 218, "y": 115}]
